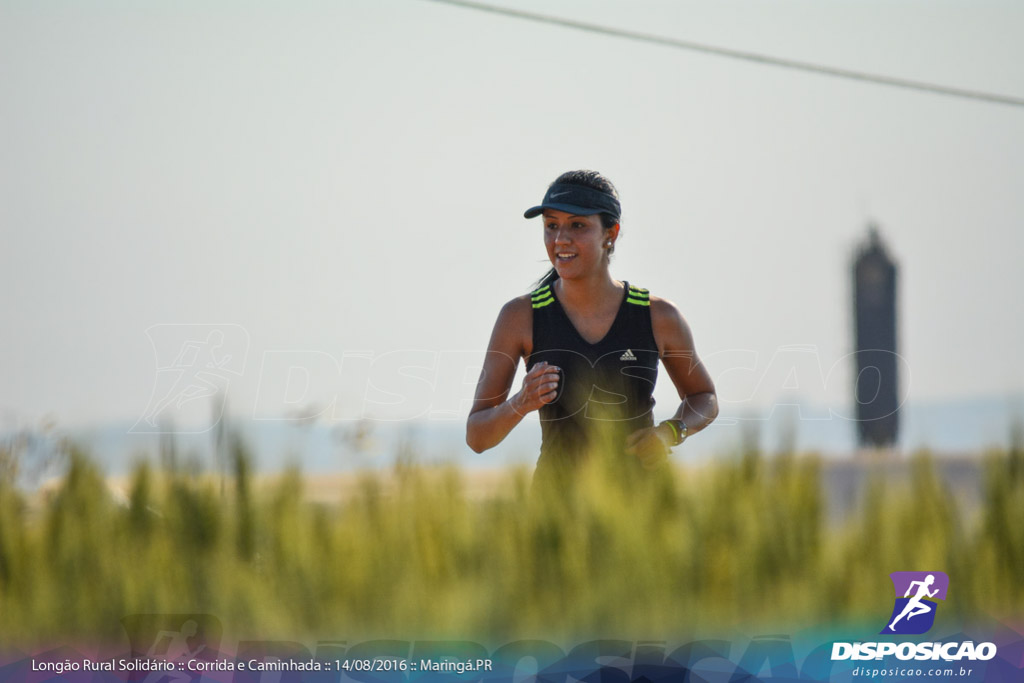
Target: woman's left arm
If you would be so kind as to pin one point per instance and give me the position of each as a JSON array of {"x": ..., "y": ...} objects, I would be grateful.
[{"x": 699, "y": 403}]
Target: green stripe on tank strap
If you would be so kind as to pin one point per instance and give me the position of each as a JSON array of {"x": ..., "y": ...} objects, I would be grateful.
[
  {"x": 542, "y": 304},
  {"x": 638, "y": 302},
  {"x": 540, "y": 293}
]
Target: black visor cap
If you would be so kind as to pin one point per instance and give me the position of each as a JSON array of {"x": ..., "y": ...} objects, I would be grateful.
[{"x": 577, "y": 200}]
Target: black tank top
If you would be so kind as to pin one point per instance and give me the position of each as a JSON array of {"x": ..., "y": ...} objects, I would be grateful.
[{"x": 605, "y": 392}]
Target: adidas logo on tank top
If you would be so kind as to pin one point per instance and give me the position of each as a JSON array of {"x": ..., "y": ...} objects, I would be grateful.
[{"x": 628, "y": 355}]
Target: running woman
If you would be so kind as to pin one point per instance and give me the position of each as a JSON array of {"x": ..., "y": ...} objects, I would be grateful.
[{"x": 591, "y": 345}]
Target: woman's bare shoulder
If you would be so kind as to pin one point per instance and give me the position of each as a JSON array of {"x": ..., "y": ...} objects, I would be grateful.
[
  {"x": 517, "y": 310},
  {"x": 664, "y": 308},
  {"x": 670, "y": 328},
  {"x": 513, "y": 330}
]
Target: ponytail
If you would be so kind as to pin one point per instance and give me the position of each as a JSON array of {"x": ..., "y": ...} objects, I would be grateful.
[{"x": 549, "y": 278}]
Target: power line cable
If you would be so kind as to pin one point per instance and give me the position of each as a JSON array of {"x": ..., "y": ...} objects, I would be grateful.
[{"x": 740, "y": 54}]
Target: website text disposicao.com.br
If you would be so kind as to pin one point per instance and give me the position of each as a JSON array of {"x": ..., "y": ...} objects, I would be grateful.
[{"x": 907, "y": 672}]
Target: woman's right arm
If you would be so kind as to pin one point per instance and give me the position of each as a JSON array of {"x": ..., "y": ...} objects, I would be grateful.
[{"x": 493, "y": 414}]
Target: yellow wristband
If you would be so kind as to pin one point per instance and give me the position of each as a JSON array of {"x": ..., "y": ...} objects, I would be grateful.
[{"x": 679, "y": 431}]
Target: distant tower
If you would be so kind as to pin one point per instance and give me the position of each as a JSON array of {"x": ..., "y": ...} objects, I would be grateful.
[{"x": 874, "y": 304}]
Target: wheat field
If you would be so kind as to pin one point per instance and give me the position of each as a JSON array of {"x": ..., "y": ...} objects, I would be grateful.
[{"x": 413, "y": 552}]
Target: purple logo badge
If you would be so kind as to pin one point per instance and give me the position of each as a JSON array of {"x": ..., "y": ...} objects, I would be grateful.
[{"x": 916, "y": 593}]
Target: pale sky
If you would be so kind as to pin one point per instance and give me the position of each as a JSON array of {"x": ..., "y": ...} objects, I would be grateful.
[{"x": 332, "y": 183}]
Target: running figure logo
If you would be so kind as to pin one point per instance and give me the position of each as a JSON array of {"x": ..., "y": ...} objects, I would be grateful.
[
  {"x": 914, "y": 613},
  {"x": 194, "y": 365}
]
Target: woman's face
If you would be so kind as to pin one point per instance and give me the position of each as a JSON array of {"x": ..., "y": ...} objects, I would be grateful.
[{"x": 575, "y": 244}]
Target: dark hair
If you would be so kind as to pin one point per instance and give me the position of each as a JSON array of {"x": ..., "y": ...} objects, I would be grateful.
[{"x": 594, "y": 181}]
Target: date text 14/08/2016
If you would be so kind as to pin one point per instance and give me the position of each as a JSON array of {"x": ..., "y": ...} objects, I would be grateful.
[{"x": 391, "y": 664}]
